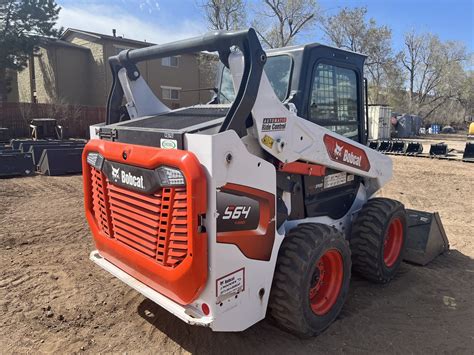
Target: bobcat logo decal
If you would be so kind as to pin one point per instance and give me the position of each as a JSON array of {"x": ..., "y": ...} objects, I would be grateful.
[
  {"x": 115, "y": 173},
  {"x": 346, "y": 153},
  {"x": 338, "y": 150}
]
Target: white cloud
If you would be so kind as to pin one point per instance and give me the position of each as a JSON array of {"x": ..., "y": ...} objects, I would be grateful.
[{"x": 103, "y": 19}]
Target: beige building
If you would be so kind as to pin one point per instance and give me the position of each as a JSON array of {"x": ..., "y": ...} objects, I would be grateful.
[{"x": 74, "y": 70}]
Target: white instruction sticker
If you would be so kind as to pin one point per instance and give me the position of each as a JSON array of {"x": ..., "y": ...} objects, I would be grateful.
[
  {"x": 335, "y": 180},
  {"x": 231, "y": 283}
]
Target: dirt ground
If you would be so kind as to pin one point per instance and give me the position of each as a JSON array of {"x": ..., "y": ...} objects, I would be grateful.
[{"x": 53, "y": 299}]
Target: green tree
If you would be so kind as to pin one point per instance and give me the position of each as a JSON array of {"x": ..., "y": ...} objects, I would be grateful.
[{"x": 22, "y": 23}]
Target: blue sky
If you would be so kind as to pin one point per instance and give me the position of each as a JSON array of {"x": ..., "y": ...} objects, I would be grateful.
[{"x": 166, "y": 20}]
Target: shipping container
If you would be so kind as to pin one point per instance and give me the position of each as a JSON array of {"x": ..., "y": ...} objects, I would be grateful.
[{"x": 379, "y": 122}]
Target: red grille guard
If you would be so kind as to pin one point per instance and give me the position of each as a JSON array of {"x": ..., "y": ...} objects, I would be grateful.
[{"x": 154, "y": 238}]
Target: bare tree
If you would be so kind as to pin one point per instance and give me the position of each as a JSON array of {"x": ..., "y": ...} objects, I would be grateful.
[
  {"x": 225, "y": 14},
  {"x": 434, "y": 71},
  {"x": 411, "y": 58},
  {"x": 349, "y": 29},
  {"x": 279, "y": 22},
  {"x": 208, "y": 68}
]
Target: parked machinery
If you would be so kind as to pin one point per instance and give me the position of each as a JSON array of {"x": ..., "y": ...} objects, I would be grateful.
[{"x": 263, "y": 201}]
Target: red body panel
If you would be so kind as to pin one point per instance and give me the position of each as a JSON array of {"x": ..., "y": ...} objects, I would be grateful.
[{"x": 179, "y": 274}]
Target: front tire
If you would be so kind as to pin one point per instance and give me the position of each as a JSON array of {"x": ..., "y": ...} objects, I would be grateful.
[
  {"x": 378, "y": 239},
  {"x": 311, "y": 279}
]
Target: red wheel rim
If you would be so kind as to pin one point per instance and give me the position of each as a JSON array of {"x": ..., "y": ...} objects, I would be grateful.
[
  {"x": 393, "y": 241},
  {"x": 326, "y": 282}
]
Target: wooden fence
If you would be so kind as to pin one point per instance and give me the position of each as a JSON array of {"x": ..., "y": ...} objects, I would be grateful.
[{"x": 74, "y": 119}]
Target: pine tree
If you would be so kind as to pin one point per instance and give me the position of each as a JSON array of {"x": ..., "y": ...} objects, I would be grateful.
[{"x": 22, "y": 23}]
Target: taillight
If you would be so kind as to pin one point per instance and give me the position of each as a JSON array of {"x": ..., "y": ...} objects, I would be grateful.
[{"x": 170, "y": 177}]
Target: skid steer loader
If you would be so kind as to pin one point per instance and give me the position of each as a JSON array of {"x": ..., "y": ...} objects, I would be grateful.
[{"x": 260, "y": 200}]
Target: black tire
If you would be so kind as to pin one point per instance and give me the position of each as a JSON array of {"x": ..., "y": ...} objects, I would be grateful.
[
  {"x": 295, "y": 275},
  {"x": 369, "y": 232}
]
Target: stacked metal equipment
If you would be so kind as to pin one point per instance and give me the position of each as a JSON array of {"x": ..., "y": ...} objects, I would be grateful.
[{"x": 46, "y": 152}]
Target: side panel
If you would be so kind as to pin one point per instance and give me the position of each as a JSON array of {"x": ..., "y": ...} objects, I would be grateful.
[{"x": 238, "y": 285}]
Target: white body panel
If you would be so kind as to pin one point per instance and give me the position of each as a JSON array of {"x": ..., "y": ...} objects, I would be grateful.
[
  {"x": 246, "y": 308},
  {"x": 302, "y": 139},
  {"x": 94, "y": 130}
]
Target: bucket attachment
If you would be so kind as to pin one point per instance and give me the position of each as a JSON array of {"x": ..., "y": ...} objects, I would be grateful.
[
  {"x": 384, "y": 146},
  {"x": 61, "y": 161},
  {"x": 439, "y": 149},
  {"x": 468, "y": 154},
  {"x": 25, "y": 146},
  {"x": 9, "y": 151},
  {"x": 414, "y": 148},
  {"x": 36, "y": 150},
  {"x": 426, "y": 237},
  {"x": 373, "y": 145},
  {"x": 45, "y": 128},
  {"x": 16, "y": 164},
  {"x": 15, "y": 143},
  {"x": 398, "y": 147}
]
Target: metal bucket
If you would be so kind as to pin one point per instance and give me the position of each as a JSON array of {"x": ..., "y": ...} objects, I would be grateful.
[
  {"x": 398, "y": 147},
  {"x": 468, "y": 154},
  {"x": 426, "y": 237},
  {"x": 16, "y": 164},
  {"x": 373, "y": 145},
  {"x": 384, "y": 146},
  {"x": 61, "y": 161},
  {"x": 414, "y": 148},
  {"x": 439, "y": 149}
]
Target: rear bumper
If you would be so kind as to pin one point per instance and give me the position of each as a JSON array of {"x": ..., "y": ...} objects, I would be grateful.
[{"x": 188, "y": 314}]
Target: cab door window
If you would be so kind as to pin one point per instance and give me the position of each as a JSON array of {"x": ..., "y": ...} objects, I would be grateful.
[{"x": 333, "y": 101}]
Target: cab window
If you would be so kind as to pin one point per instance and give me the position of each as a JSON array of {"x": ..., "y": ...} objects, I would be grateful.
[
  {"x": 333, "y": 101},
  {"x": 278, "y": 70}
]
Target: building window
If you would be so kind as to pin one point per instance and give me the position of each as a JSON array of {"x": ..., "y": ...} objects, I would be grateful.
[
  {"x": 170, "y": 62},
  {"x": 170, "y": 93}
]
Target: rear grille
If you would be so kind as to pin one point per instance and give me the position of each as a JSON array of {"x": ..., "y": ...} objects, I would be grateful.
[
  {"x": 100, "y": 201},
  {"x": 154, "y": 225}
]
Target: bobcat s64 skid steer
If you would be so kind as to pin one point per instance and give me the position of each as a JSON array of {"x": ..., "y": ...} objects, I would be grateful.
[{"x": 257, "y": 203}]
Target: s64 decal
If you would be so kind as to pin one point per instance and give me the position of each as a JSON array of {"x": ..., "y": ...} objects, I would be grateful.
[
  {"x": 246, "y": 219},
  {"x": 236, "y": 212}
]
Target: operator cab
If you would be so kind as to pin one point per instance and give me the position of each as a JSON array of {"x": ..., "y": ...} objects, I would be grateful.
[{"x": 324, "y": 84}]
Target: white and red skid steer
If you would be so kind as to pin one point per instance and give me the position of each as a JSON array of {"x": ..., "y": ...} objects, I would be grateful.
[{"x": 260, "y": 200}]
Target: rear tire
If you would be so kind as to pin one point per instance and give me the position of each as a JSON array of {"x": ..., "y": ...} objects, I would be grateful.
[
  {"x": 311, "y": 279},
  {"x": 378, "y": 239}
]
